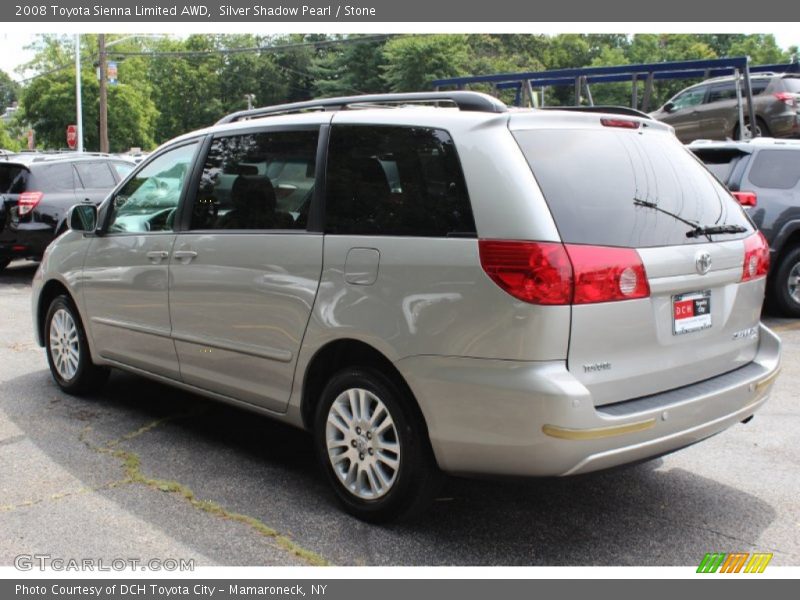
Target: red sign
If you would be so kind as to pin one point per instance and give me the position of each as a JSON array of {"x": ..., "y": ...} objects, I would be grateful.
[{"x": 72, "y": 136}]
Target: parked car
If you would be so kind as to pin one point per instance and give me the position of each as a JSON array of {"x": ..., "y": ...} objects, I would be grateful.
[
  {"x": 710, "y": 110},
  {"x": 765, "y": 176},
  {"x": 466, "y": 290},
  {"x": 37, "y": 190}
]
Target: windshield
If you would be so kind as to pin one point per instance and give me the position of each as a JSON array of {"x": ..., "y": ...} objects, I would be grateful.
[{"x": 639, "y": 189}]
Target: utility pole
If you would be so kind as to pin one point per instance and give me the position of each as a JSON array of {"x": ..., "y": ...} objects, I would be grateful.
[{"x": 101, "y": 42}]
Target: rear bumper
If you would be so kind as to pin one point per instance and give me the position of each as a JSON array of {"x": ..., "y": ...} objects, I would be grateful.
[
  {"x": 491, "y": 417},
  {"x": 25, "y": 240}
]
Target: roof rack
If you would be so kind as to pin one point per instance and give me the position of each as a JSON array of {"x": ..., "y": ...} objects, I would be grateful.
[
  {"x": 616, "y": 110},
  {"x": 467, "y": 101}
]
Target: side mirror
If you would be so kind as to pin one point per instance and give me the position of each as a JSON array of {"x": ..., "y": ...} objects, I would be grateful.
[
  {"x": 668, "y": 107},
  {"x": 82, "y": 217}
]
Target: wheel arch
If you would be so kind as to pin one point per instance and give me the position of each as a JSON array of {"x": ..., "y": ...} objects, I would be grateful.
[{"x": 337, "y": 355}]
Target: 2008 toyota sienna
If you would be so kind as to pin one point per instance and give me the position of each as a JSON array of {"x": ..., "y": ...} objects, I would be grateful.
[{"x": 428, "y": 283}]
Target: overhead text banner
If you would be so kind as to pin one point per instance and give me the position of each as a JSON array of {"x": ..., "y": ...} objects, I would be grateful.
[{"x": 443, "y": 11}]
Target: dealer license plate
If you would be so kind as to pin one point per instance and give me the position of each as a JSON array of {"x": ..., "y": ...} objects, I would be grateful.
[{"x": 691, "y": 312}]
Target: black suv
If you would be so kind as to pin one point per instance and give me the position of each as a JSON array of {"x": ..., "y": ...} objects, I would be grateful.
[
  {"x": 37, "y": 190},
  {"x": 764, "y": 175}
]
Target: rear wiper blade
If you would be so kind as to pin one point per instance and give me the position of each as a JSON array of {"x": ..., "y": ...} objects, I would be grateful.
[
  {"x": 654, "y": 206},
  {"x": 707, "y": 230},
  {"x": 696, "y": 230}
]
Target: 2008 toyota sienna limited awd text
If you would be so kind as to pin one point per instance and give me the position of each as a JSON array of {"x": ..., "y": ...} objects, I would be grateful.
[{"x": 428, "y": 283}]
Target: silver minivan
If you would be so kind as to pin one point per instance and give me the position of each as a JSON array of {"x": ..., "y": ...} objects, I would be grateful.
[{"x": 429, "y": 283}]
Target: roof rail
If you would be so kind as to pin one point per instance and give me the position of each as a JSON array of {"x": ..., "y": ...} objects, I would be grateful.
[
  {"x": 467, "y": 101},
  {"x": 617, "y": 110}
]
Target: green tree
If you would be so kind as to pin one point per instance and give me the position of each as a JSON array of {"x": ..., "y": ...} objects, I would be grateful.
[
  {"x": 49, "y": 106},
  {"x": 9, "y": 90},
  {"x": 412, "y": 62}
]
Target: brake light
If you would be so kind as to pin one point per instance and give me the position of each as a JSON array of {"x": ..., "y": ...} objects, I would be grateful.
[
  {"x": 623, "y": 123},
  {"x": 535, "y": 272},
  {"x": 745, "y": 198},
  {"x": 27, "y": 201},
  {"x": 556, "y": 274},
  {"x": 787, "y": 98},
  {"x": 756, "y": 257},
  {"x": 605, "y": 274}
]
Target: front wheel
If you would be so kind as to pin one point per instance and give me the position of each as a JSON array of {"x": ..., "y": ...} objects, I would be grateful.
[
  {"x": 785, "y": 284},
  {"x": 68, "y": 351},
  {"x": 374, "y": 447}
]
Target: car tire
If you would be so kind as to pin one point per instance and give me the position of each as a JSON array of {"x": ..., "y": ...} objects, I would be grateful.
[
  {"x": 4, "y": 262},
  {"x": 785, "y": 284},
  {"x": 68, "y": 352},
  {"x": 374, "y": 447},
  {"x": 761, "y": 129}
]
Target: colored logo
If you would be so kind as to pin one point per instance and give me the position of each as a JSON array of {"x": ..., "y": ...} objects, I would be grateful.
[{"x": 735, "y": 562}]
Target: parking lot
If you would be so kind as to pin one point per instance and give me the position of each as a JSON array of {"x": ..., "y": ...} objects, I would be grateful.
[{"x": 145, "y": 471}]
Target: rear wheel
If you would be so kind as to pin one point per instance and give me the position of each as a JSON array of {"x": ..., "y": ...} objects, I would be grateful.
[
  {"x": 785, "y": 284},
  {"x": 761, "y": 129},
  {"x": 68, "y": 351},
  {"x": 4, "y": 262},
  {"x": 374, "y": 447}
]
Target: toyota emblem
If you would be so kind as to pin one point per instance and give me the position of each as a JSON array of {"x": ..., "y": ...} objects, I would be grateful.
[{"x": 702, "y": 262}]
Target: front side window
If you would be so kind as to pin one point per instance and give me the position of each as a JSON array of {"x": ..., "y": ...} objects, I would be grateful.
[
  {"x": 385, "y": 180},
  {"x": 689, "y": 98},
  {"x": 149, "y": 200},
  {"x": 259, "y": 180}
]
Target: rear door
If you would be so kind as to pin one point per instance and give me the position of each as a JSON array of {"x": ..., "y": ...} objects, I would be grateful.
[
  {"x": 639, "y": 188},
  {"x": 244, "y": 274},
  {"x": 96, "y": 179}
]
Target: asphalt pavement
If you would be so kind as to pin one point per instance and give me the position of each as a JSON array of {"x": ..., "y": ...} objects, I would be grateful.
[{"x": 148, "y": 472}]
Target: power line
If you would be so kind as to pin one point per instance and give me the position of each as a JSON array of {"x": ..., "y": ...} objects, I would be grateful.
[{"x": 257, "y": 49}]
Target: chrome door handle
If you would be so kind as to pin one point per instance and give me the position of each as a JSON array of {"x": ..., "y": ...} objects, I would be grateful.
[
  {"x": 185, "y": 256},
  {"x": 156, "y": 256}
]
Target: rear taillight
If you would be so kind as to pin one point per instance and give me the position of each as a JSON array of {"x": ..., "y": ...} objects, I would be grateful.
[
  {"x": 745, "y": 198},
  {"x": 787, "y": 98},
  {"x": 557, "y": 274},
  {"x": 756, "y": 257},
  {"x": 623, "y": 123},
  {"x": 535, "y": 272},
  {"x": 604, "y": 274},
  {"x": 27, "y": 201}
]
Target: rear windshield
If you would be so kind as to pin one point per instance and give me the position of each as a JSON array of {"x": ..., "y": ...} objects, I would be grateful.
[
  {"x": 720, "y": 161},
  {"x": 595, "y": 182},
  {"x": 791, "y": 84},
  {"x": 13, "y": 179}
]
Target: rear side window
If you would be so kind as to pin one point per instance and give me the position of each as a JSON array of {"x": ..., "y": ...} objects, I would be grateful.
[
  {"x": 54, "y": 178},
  {"x": 257, "y": 181},
  {"x": 399, "y": 181},
  {"x": 123, "y": 169},
  {"x": 13, "y": 179},
  {"x": 791, "y": 84},
  {"x": 778, "y": 169},
  {"x": 95, "y": 175},
  {"x": 722, "y": 91},
  {"x": 596, "y": 180}
]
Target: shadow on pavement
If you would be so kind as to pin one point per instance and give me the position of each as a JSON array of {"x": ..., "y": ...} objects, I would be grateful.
[{"x": 642, "y": 515}]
